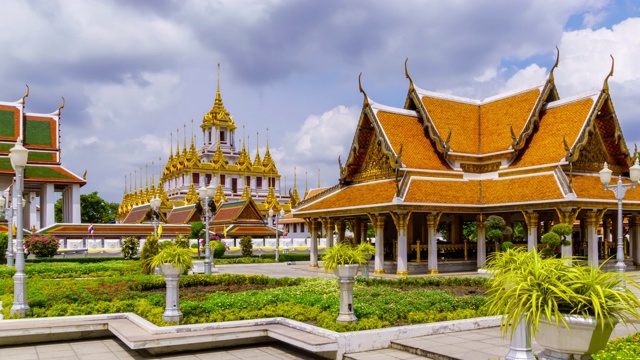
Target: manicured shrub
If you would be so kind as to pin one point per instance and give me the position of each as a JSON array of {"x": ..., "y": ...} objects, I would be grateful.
[
  {"x": 149, "y": 250},
  {"x": 620, "y": 349},
  {"x": 130, "y": 246},
  {"x": 41, "y": 246},
  {"x": 4, "y": 243},
  {"x": 247, "y": 246},
  {"x": 218, "y": 248}
]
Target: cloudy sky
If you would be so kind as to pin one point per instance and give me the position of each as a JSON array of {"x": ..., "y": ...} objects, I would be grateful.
[{"x": 132, "y": 72}]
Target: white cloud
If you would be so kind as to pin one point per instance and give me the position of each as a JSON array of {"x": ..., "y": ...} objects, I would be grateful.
[
  {"x": 488, "y": 74},
  {"x": 528, "y": 77},
  {"x": 328, "y": 135}
]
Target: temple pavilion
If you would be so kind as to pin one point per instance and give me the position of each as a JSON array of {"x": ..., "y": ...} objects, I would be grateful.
[
  {"x": 441, "y": 162},
  {"x": 219, "y": 161},
  {"x": 44, "y": 173}
]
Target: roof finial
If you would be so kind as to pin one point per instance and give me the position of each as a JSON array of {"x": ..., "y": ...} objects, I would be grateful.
[
  {"x": 406, "y": 74},
  {"x": 125, "y": 184},
  {"x": 192, "y": 136},
  {"x": 366, "y": 98},
  {"x": 140, "y": 178},
  {"x": 605, "y": 86},
  {"x": 61, "y": 106},
  {"x": 177, "y": 141},
  {"x": 171, "y": 144},
  {"x": 153, "y": 173},
  {"x": 146, "y": 175},
  {"x": 26, "y": 94},
  {"x": 294, "y": 178},
  {"x": 130, "y": 182},
  {"x": 554, "y": 65},
  {"x": 218, "y": 76},
  {"x": 184, "y": 147}
]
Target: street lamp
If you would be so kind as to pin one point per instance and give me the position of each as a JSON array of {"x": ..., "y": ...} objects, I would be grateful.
[
  {"x": 619, "y": 190},
  {"x": 206, "y": 193},
  {"x": 155, "y": 206},
  {"x": 8, "y": 214},
  {"x": 18, "y": 156},
  {"x": 277, "y": 232}
]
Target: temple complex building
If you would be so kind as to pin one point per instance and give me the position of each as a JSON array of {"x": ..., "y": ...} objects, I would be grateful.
[
  {"x": 219, "y": 161},
  {"x": 443, "y": 162},
  {"x": 44, "y": 174}
]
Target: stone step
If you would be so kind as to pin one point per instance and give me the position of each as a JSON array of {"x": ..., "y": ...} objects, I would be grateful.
[
  {"x": 385, "y": 354},
  {"x": 421, "y": 351}
]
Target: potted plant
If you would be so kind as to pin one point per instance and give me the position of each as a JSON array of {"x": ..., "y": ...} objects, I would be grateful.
[
  {"x": 173, "y": 261},
  {"x": 344, "y": 259},
  {"x": 570, "y": 309}
]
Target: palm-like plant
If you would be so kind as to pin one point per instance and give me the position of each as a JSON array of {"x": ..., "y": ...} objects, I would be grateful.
[
  {"x": 525, "y": 286},
  {"x": 175, "y": 256},
  {"x": 344, "y": 254}
]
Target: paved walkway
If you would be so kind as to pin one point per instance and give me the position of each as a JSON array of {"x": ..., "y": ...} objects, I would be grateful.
[{"x": 482, "y": 344}]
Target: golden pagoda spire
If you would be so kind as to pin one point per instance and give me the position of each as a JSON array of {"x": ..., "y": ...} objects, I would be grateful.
[
  {"x": 257, "y": 161},
  {"x": 171, "y": 148},
  {"x": 246, "y": 193},
  {"x": 153, "y": 180},
  {"x": 141, "y": 196},
  {"x": 192, "y": 196},
  {"x": 271, "y": 202},
  {"x": 267, "y": 163},
  {"x": 306, "y": 184},
  {"x": 219, "y": 197},
  {"x": 184, "y": 146},
  {"x": 295, "y": 198},
  {"x": 218, "y": 114}
]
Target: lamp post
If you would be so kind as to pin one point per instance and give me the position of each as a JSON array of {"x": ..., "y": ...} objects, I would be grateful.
[
  {"x": 271, "y": 213},
  {"x": 619, "y": 190},
  {"x": 206, "y": 193},
  {"x": 155, "y": 205},
  {"x": 18, "y": 156},
  {"x": 8, "y": 214}
]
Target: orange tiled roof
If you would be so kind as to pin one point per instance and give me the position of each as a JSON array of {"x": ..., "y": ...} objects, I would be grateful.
[
  {"x": 461, "y": 118},
  {"x": 417, "y": 150},
  {"x": 590, "y": 187},
  {"x": 498, "y": 191},
  {"x": 521, "y": 189},
  {"x": 182, "y": 215},
  {"x": 137, "y": 214},
  {"x": 547, "y": 146},
  {"x": 379, "y": 192},
  {"x": 496, "y": 116},
  {"x": 484, "y": 127}
]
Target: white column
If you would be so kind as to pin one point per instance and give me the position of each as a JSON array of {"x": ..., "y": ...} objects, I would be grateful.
[
  {"x": 592, "y": 238},
  {"x": 379, "y": 259},
  {"x": 432, "y": 242},
  {"x": 532, "y": 224},
  {"x": 47, "y": 205},
  {"x": 401, "y": 220},
  {"x": 313, "y": 247},
  {"x": 481, "y": 248},
  {"x": 75, "y": 198}
]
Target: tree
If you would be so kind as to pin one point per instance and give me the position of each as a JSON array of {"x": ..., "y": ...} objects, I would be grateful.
[
  {"x": 93, "y": 209},
  {"x": 555, "y": 238},
  {"x": 496, "y": 229}
]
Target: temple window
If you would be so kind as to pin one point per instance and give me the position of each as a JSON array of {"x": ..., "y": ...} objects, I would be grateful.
[
  {"x": 195, "y": 179},
  {"x": 234, "y": 185},
  {"x": 207, "y": 178},
  {"x": 247, "y": 181},
  {"x": 259, "y": 182},
  {"x": 223, "y": 180},
  {"x": 295, "y": 228},
  {"x": 301, "y": 227},
  {"x": 223, "y": 136}
]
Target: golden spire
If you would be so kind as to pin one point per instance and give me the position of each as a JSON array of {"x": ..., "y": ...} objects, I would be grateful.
[
  {"x": 184, "y": 146},
  {"x": 219, "y": 197},
  {"x": 192, "y": 196},
  {"x": 306, "y": 184},
  {"x": 218, "y": 160},
  {"x": 295, "y": 198},
  {"x": 153, "y": 180},
  {"x": 270, "y": 202},
  {"x": 246, "y": 194},
  {"x": 218, "y": 115},
  {"x": 267, "y": 163},
  {"x": 257, "y": 161}
]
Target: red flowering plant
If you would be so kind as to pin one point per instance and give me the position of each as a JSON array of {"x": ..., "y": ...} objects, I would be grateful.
[
  {"x": 216, "y": 245},
  {"x": 41, "y": 246}
]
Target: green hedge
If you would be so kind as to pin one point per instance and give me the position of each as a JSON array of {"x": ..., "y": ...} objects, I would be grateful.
[{"x": 287, "y": 257}]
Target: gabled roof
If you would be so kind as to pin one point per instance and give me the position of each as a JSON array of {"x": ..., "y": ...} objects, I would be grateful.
[
  {"x": 237, "y": 211},
  {"x": 184, "y": 215},
  {"x": 142, "y": 213}
]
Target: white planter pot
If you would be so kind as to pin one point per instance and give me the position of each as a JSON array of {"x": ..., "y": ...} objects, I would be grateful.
[
  {"x": 172, "y": 311},
  {"x": 346, "y": 277},
  {"x": 584, "y": 338},
  {"x": 485, "y": 273}
]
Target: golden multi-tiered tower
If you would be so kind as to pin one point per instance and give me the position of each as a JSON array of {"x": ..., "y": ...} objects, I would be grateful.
[{"x": 217, "y": 162}]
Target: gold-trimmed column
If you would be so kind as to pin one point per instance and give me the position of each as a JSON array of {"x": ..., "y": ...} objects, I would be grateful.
[
  {"x": 432, "y": 241},
  {"x": 531, "y": 219},
  {"x": 401, "y": 220},
  {"x": 593, "y": 220},
  {"x": 328, "y": 226},
  {"x": 568, "y": 216},
  {"x": 481, "y": 248},
  {"x": 312, "y": 224},
  {"x": 356, "y": 230},
  {"x": 363, "y": 232},
  {"x": 342, "y": 227},
  {"x": 378, "y": 224}
]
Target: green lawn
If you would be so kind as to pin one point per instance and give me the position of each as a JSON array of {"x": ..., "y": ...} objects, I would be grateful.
[{"x": 69, "y": 288}]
